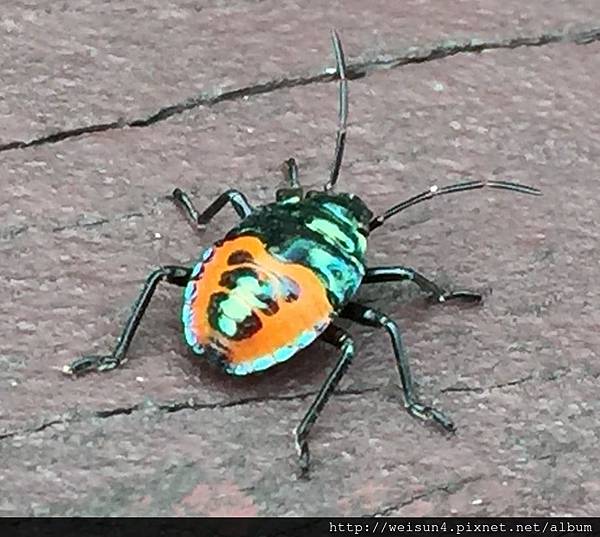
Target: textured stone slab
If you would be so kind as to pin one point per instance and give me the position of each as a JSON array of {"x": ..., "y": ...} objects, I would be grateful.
[
  {"x": 90, "y": 65},
  {"x": 86, "y": 219}
]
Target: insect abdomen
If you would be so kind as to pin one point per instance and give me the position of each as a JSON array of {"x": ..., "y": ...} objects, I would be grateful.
[{"x": 249, "y": 310}]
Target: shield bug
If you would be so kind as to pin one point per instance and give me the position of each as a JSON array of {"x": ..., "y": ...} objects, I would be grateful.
[{"x": 280, "y": 279}]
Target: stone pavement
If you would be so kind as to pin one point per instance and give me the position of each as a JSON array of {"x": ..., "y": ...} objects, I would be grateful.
[{"x": 104, "y": 108}]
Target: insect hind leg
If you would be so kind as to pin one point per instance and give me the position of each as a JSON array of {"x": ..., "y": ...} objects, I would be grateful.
[
  {"x": 370, "y": 317},
  {"x": 436, "y": 293},
  {"x": 172, "y": 274},
  {"x": 341, "y": 339}
]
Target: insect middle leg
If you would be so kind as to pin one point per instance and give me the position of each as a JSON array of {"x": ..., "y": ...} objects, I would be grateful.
[
  {"x": 399, "y": 273},
  {"x": 342, "y": 340},
  {"x": 172, "y": 274},
  {"x": 370, "y": 317},
  {"x": 201, "y": 219}
]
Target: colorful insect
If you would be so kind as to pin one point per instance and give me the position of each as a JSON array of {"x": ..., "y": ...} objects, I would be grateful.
[{"x": 280, "y": 278}]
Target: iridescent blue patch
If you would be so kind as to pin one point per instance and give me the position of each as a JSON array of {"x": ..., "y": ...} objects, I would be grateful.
[
  {"x": 207, "y": 254},
  {"x": 283, "y": 353},
  {"x": 341, "y": 274},
  {"x": 187, "y": 314},
  {"x": 205, "y": 257},
  {"x": 339, "y": 212},
  {"x": 262, "y": 363},
  {"x": 190, "y": 337},
  {"x": 305, "y": 338},
  {"x": 189, "y": 294}
]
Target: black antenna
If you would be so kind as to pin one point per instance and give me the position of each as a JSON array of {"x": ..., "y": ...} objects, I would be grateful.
[
  {"x": 342, "y": 111},
  {"x": 451, "y": 189}
]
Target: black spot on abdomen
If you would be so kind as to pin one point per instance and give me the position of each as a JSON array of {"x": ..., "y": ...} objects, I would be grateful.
[
  {"x": 238, "y": 257},
  {"x": 214, "y": 308},
  {"x": 248, "y": 327},
  {"x": 271, "y": 306}
]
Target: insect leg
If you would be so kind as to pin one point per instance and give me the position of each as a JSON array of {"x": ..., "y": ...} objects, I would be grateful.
[
  {"x": 342, "y": 340},
  {"x": 370, "y": 317},
  {"x": 236, "y": 198},
  {"x": 290, "y": 172},
  {"x": 399, "y": 273},
  {"x": 172, "y": 274}
]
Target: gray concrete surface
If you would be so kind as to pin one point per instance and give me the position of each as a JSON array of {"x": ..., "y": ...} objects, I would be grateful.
[{"x": 83, "y": 219}]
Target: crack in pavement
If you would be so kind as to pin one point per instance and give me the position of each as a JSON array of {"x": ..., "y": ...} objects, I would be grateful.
[
  {"x": 10, "y": 232},
  {"x": 481, "y": 389},
  {"x": 190, "y": 404},
  {"x": 416, "y": 54},
  {"x": 447, "y": 488},
  {"x": 169, "y": 408},
  {"x": 84, "y": 223},
  {"x": 528, "y": 378}
]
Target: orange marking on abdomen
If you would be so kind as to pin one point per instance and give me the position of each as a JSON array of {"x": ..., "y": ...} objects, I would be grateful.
[{"x": 279, "y": 329}]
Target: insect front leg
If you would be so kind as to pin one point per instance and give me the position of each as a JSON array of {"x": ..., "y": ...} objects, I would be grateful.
[
  {"x": 290, "y": 172},
  {"x": 172, "y": 274},
  {"x": 399, "y": 273},
  {"x": 201, "y": 219},
  {"x": 370, "y": 317},
  {"x": 292, "y": 192},
  {"x": 342, "y": 340}
]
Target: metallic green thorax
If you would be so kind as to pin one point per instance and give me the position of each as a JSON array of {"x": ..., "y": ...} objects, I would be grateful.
[{"x": 324, "y": 232}]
